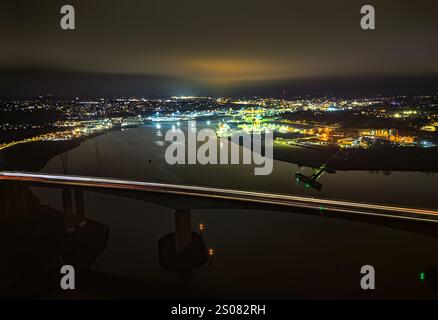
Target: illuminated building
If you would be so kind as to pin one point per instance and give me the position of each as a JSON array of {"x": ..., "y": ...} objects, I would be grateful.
[
  {"x": 132, "y": 121},
  {"x": 223, "y": 130},
  {"x": 430, "y": 128},
  {"x": 390, "y": 135}
]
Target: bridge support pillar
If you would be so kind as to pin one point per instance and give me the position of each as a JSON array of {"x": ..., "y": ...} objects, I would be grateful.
[
  {"x": 183, "y": 229},
  {"x": 67, "y": 207},
  {"x": 67, "y": 202},
  {"x": 80, "y": 204},
  {"x": 14, "y": 198}
]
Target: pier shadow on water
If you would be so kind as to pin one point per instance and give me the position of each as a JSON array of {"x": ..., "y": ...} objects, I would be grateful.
[{"x": 126, "y": 244}]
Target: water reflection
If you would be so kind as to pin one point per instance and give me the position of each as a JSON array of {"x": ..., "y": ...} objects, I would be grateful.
[
  {"x": 138, "y": 154},
  {"x": 36, "y": 240},
  {"x": 135, "y": 245},
  {"x": 182, "y": 251}
]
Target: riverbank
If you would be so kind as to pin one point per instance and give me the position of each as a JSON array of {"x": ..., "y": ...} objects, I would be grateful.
[
  {"x": 387, "y": 159},
  {"x": 34, "y": 156},
  {"x": 377, "y": 159}
]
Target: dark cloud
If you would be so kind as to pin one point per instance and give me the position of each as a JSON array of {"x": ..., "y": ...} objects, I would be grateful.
[{"x": 220, "y": 44}]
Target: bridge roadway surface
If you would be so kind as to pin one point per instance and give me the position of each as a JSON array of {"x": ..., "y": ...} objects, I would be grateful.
[{"x": 262, "y": 198}]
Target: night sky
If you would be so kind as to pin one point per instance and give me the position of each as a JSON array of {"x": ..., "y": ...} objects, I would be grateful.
[{"x": 238, "y": 47}]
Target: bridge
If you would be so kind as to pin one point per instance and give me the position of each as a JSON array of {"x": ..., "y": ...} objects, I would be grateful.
[
  {"x": 313, "y": 179},
  {"x": 183, "y": 250},
  {"x": 160, "y": 193}
]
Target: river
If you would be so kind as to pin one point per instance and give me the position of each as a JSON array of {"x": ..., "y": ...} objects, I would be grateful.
[{"x": 139, "y": 154}]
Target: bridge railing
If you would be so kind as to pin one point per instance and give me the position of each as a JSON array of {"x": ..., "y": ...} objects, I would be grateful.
[{"x": 176, "y": 192}]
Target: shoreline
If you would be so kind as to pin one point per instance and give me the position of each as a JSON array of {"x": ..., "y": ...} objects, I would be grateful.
[
  {"x": 14, "y": 158},
  {"x": 35, "y": 155},
  {"x": 412, "y": 159}
]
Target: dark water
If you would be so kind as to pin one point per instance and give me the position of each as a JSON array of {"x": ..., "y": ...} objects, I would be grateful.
[
  {"x": 138, "y": 154},
  {"x": 257, "y": 253}
]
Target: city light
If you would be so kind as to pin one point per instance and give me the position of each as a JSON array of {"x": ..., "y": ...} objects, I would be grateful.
[{"x": 250, "y": 115}]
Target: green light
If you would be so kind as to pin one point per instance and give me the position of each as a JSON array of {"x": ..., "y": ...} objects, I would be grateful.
[
  {"x": 321, "y": 208},
  {"x": 307, "y": 186},
  {"x": 422, "y": 276}
]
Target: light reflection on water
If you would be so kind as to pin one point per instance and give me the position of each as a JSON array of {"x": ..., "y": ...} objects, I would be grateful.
[
  {"x": 257, "y": 254},
  {"x": 138, "y": 153}
]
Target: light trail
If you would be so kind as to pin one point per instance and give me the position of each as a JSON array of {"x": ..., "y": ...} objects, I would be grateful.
[
  {"x": 61, "y": 135},
  {"x": 406, "y": 213}
]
